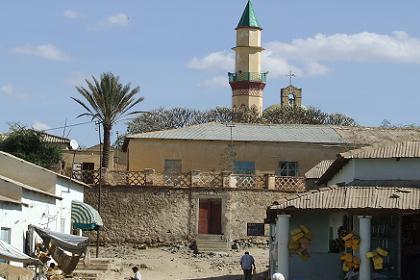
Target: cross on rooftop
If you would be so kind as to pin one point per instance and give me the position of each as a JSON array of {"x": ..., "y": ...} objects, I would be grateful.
[{"x": 291, "y": 75}]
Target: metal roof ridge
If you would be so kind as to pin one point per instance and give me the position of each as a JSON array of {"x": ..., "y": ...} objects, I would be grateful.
[{"x": 131, "y": 136}]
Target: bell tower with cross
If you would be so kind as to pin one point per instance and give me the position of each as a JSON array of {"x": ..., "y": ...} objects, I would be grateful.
[
  {"x": 291, "y": 95},
  {"x": 248, "y": 82}
]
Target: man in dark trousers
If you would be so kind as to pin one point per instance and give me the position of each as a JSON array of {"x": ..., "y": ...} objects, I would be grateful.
[{"x": 247, "y": 263}]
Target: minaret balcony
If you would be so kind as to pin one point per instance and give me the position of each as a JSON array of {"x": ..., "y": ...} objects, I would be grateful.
[{"x": 248, "y": 76}]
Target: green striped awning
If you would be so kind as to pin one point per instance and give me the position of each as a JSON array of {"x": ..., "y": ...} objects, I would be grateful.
[{"x": 84, "y": 216}]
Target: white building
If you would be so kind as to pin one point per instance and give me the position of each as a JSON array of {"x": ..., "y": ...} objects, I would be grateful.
[{"x": 30, "y": 194}]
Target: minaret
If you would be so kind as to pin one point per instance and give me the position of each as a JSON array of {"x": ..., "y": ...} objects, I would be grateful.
[{"x": 248, "y": 82}]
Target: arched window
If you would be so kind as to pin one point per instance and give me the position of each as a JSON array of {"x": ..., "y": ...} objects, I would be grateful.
[{"x": 292, "y": 99}]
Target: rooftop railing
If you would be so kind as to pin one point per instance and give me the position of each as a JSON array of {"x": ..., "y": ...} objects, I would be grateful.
[
  {"x": 193, "y": 179},
  {"x": 248, "y": 76}
]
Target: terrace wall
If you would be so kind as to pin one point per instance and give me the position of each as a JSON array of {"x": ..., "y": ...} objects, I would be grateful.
[{"x": 158, "y": 215}]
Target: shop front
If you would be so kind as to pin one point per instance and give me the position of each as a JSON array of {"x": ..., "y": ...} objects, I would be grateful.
[{"x": 347, "y": 233}]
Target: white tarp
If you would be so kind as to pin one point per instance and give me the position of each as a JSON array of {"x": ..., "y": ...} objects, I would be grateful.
[
  {"x": 10, "y": 253},
  {"x": 67, "y": 242}
]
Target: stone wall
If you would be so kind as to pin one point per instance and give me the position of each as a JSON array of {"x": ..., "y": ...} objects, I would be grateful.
[
  {"x": 159, "y": 215},
  {"x": 142, "y": 214}
]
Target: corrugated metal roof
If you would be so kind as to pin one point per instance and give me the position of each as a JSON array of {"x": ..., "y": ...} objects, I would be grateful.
[
  {"x": 319, "y": 169},
  {"x": 53, "y": 139},
  {"x": 249, "y": 132},
  {"x": 408, "y": 149},
  {"x": 355, "y": 197},
  {"x": 372, "y": 135}
]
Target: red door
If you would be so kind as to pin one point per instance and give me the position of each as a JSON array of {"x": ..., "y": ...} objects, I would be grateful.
[
  {"x": 210, "y": 216},
  {"x": 203, "y": 218}
]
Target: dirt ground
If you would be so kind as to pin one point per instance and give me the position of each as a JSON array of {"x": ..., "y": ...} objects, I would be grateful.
[{"x": 180, "y": 263}]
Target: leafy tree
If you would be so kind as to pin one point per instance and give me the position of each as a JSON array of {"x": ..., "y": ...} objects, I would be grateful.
[
  {"x": 161, "y": 119},
  {"x": 107, "y": 100},
  {"x": 301, "y": 115},
  {"x": 388, "y": 124},
  {"x": 27, "y": 144}
]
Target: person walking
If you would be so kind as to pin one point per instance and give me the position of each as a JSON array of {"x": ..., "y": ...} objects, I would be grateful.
[{"x": 247, "y": 264}]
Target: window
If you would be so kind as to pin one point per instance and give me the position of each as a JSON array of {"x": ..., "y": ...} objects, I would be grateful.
[
  {"x": 288, "y": 168},
  {"x": 292, "y": 100},
  {"x": 244, "y": 167},
  {"x": 173, "y": 166},
  {"x": 5, "y": 235}
]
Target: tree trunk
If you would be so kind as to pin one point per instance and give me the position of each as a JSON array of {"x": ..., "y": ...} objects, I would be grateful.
[{"x": 106, "y": 145}]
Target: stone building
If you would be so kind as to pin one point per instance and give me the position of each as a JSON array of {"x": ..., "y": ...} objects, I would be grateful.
[{"x": 176, "y": 188}]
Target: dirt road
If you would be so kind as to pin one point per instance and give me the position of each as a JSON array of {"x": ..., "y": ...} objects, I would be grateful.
[{"x": 180, "y": 263}]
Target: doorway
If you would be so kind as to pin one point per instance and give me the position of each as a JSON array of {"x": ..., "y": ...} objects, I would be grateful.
[
  {"x": 410, "y": 247},
  {"x": 210, "y": 216}
]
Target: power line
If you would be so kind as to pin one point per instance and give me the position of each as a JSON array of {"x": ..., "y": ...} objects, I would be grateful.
[
  {"x": 69, "y": 125},
  {"x": 93, "y": 121}
]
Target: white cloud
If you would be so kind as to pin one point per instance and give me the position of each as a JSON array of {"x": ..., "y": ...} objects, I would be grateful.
[
  {"x": 119, "y": 19},
  {"x": 48, "y": 51},
  {"x": 310, "y": 56},
  {"x": 398, "y": 47},
  {"x": 214, "y": 61},
  {"x": 40, "y": 125},
  {"x": 10, "y": 90},
  {"x": 217, "y": 81},
  {"x": 70, "y": 14},
  {"x": 7, "y": 89}
]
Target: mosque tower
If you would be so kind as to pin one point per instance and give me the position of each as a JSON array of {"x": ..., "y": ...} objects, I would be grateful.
[{"x": 248, "y": 81}]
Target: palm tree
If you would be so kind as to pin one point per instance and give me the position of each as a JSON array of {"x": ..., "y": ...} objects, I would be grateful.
[{"x": 107, "y": 100}]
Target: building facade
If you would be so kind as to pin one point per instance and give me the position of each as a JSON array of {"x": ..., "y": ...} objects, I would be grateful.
[{"x": 30, "y": 194}]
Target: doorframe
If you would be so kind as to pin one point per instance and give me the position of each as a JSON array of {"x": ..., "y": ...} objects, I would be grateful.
[{"x": 223, "y": 218}]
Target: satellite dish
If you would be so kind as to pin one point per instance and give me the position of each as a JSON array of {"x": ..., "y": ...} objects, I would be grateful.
[{"x": 73, "y": 144}]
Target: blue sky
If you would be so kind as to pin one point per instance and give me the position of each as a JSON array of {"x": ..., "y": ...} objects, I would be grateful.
[{"x": 359, "y": 57}]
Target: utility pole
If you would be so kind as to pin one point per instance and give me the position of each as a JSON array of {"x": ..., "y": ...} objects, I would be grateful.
[{"x": 98, "y": 123}]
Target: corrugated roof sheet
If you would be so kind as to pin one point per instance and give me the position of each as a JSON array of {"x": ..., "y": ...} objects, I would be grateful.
[
  {"x": 372, "y": 135},
  {"x": 53, "y": 139},
  {"x": 355, "y": 197},
  {"x": 303, "y": 133},
  {"x": 408, "y": 149},
  {"x": 319, "y": 169},
  {"x": 249, "y": 132}
]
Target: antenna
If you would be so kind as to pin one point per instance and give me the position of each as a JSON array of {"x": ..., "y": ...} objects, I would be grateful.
[{"x": 65, "y": 126}]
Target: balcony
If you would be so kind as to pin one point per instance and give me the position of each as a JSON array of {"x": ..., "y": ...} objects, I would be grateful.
[
  {"x": 248, "y": 76},
  {"x": 194, "y": 179}
]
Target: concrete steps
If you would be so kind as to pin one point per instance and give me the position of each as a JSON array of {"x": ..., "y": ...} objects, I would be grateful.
[
  {"x": 211, "y": 243},
  {"x": 85, "y": 275},
  {"x": 99, "y": 264},
  {"x": 92, "y": 268}
]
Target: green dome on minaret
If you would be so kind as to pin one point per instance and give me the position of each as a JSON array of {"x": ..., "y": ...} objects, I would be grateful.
[{"x": 248, "y": 18}]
